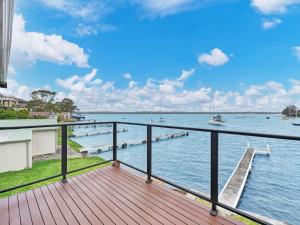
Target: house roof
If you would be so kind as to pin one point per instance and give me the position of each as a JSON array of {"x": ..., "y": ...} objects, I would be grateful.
[{"x": 22, "y": 134}]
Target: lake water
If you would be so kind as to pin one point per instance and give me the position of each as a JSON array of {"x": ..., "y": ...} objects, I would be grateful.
[{"x": 273, "y": 187}]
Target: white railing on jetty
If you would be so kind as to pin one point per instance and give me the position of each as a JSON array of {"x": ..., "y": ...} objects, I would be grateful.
[{"x": 125, "y": 145}]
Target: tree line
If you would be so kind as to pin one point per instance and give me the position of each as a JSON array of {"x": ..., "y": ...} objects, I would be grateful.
[
  {"x": 291, "y": 111},
  {"x": 44, "y": 101}
]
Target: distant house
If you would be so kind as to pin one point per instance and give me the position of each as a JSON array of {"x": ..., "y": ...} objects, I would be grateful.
[
  {"x": 39, "y": 114},
  {"x": 17, "y": 147},
  {"x": 10, "y": 102}
]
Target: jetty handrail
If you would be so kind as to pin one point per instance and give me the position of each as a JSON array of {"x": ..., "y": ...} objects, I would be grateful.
[{"x": 214, "y": 149}]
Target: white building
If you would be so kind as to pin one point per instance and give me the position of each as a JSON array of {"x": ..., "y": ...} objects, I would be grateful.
[{"x": 17, "y": 147}]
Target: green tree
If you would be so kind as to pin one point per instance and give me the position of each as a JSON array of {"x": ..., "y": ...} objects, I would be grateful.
[
  {"x": 290, "y": 111},
  {"x": 42, "y": 100},
  {"x": 67, "y": 105}
]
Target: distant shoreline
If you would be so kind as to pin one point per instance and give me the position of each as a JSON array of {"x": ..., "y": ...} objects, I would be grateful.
[{"x": 174, "y": 112}]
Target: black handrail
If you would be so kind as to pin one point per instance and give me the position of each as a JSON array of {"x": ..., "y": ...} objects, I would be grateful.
[{"x": 213, "y": 199}]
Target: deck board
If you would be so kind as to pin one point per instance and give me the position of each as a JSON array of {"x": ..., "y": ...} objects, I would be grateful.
[{"x": 106, "y": 196}]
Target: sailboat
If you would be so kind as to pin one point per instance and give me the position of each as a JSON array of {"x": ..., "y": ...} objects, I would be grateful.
[{"x": 216, "y": 119}]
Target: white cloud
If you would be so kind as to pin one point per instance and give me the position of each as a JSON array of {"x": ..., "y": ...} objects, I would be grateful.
[
  {"x": 132, "y": 84},
  {"x": 86, "y": 10},
  {"x": 80, "y": 83},
  {"x": 171, "y": 95},
  {"x": 15, "y": 89},
  {"x": 216, "y": 58},
  {"x": 29, "y": 47},
  {"x": 186, "y": 74},
  {"x": 165, "y": 7},
  {"x": 270, "y": 23},
  {"x": 127, "y": 76},
  {"x": 296, "y": 50},
  {"x": 273, "y": 6},
  {"x": 87, "y": 29}
]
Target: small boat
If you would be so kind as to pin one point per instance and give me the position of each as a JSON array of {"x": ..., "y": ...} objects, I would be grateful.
[
  {"x": 296, "y": 124},
  {"x": 216, "y": 120},
  {"x": 268, "y": 118},
  {"x": 161, "y": 120}
]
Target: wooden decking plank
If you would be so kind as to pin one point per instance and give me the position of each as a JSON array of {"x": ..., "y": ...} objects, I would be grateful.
[
  {"x": 162, "y": 213},
  {"x": 80, "y": 204},
  {"x": 110, "y": 213},
  {"x": 181, "y": 213},
  {"x": 44, "y": 209},
  {"x": 4, "y": 212},
  {"x": 14, "y": 213},
  {"x": 193, "y": 206},
  {"x": 81, "y": 218},
  {"x": 69, "y": 217},
  {"x": 35, "y": 213},
  {"x": 179, "y": 200},
  {"x": 145, "y": 212},
  {"x": 84, "y": 196},
  {"x": 127, "y": 206},
  {"x": 24, "y": 210},
  {"x": 55, "y": 211},
  {"x": 108, "y": 202}
]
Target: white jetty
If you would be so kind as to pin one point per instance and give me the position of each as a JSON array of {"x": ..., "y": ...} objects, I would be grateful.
[
  {"x": 95, "y": 133},
  {"x": 125, "y": 145},
  {"x": 233, "y": 189}
]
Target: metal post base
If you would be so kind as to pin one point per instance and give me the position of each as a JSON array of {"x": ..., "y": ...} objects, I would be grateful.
[
  {"x": 214, "y": 210},
  {"x": 149, "y": 180},
  {"x": 116, "y": 163},
  {"x": 64, "y": 180}
]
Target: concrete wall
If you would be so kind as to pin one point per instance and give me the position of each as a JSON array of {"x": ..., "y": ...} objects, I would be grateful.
[
  {"x": 15, "y": 156},
  {"x": 44, "y": 142}
]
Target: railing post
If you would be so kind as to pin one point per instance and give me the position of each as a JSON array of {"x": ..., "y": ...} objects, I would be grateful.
[
  {"x": 214, "y": 172},
  {"x": 149, "y": 154},
  {"x": 64, "y": 152},
  {"x": 115, "y": 159}
]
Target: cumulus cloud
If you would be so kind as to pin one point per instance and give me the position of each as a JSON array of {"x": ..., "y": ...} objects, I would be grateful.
[
  {"x": 215, "y": 58},
  {"x": 127, "y": 76},
  {"x": 29, "y": 47},
  {"x": 16, "y": 89},
  {"x": 172, "y": 95},
  {"x": 185, "y": 74},
  {"x": 270, "y": 23},
  {"x": 273, "y": 6}
]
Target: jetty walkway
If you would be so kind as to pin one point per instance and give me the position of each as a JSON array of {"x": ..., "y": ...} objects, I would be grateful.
[{"x": 233, "y": 189}]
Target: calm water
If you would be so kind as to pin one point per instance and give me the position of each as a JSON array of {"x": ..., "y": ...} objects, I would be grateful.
[{"x": 273, "y": 187}]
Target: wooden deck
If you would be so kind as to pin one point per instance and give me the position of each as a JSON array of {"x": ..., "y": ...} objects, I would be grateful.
[{"x": 107, "y": 196}]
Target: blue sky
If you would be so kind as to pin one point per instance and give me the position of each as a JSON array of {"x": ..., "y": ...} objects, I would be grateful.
[{"x": 176, "y": 54}]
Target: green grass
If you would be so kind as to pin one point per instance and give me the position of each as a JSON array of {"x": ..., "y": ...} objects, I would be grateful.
[
  {"x": 235, "y": 217},
  {"x": 244, "y": 220},
  {"x": 43, "y": 169},
  {"x": 72, "y": 144}
]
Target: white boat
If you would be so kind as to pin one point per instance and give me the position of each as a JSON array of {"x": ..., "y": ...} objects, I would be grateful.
[
  {"x": 216, "y": 120},
  {"x": 161, "y": 120}
]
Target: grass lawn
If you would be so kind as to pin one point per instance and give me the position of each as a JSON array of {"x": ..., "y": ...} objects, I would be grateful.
[
  {"x": 43, "y": 169},
  {"x": 235, "y": 217},
  {"x": 72, "y": 144}
]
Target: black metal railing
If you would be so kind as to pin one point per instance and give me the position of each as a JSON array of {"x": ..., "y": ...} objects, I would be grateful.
[{"x": 214, "y": 161}]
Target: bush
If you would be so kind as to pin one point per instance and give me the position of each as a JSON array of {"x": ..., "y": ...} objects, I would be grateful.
[{"x": 13, "y": 114}]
